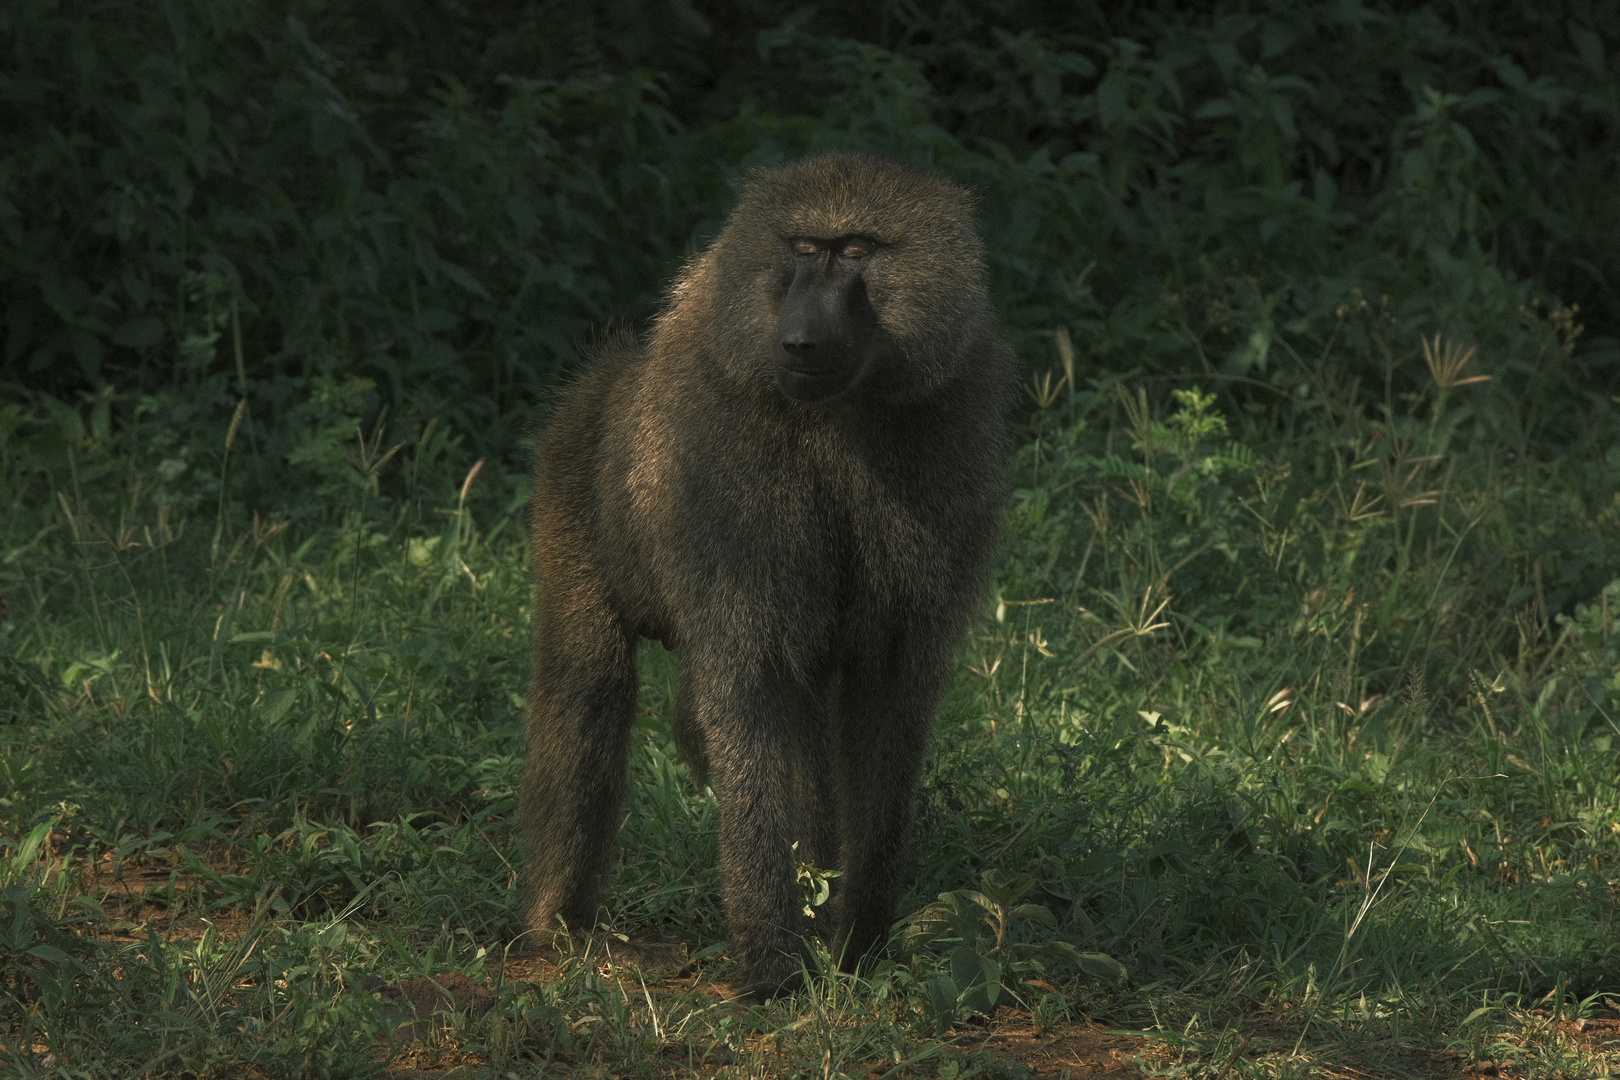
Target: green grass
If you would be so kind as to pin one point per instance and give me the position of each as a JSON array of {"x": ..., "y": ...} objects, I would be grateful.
[{"x": 1282, "y": 747}]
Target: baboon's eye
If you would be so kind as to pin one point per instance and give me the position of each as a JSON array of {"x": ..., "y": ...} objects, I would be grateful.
[
  {"x": 856, "y": 248},
  {"x": 806, "y": 247}
]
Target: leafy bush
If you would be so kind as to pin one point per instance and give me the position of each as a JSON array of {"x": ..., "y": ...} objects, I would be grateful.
[
  {"x": 207, "y": 197},
  {"x": 229, "y": 200}
]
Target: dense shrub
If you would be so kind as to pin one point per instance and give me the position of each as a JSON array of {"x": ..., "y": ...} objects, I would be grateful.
[{"x": 226, "y": 199}]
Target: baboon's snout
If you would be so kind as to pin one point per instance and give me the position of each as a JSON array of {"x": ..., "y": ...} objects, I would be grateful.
[{"x": 819, "y": 332}]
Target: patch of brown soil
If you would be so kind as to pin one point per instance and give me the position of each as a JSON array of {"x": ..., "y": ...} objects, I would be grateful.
[
  {"x": 652, "y": 957},
  {"x": 1603, "y": 1033},
  {"x": 422, "y": 1004},
  {"x": 1066, "y": 1050}
]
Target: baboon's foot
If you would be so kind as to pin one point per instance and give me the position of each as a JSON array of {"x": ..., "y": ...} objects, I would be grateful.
[
  {"x": 763, "y": 974},
  {"x": 856, "y": 951}
]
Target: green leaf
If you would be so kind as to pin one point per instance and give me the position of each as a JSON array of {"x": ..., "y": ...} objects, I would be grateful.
[
  {"x": 965, "y": 969},
  {"x": 1590, "y": 46},
  {"x": 1035, "y": 913},
  {"x": 87, "y": 351},
  {"x": 942, "y": 995},
  {"x": 50, "y": 953},
  {"x": 464, "y": 279},
  {"x": 1102, "y": 966},
  {"x": 275, "y": 705},
  {"x": 139, "y": 332},
  {"x": 29, "y": 848}
]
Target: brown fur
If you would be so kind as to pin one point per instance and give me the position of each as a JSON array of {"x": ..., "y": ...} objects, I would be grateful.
[{"x": 815, "y": 564}]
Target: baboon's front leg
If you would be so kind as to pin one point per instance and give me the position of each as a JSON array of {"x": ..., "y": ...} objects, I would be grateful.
[
  {"x": 582, "y": 696},
  {"x": 884, "y": 719},
  {"x": 762, "y": 733}
]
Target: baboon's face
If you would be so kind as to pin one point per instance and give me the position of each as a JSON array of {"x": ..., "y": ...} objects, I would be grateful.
[
  {"x": 828, "y": 334},
  {"x": 841, "y": 276}
]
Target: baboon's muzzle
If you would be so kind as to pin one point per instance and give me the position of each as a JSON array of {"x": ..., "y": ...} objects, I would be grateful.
[{"x": 823, "y": 333}]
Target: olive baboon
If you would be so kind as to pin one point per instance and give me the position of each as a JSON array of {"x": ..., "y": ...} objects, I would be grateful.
[{"x": 797, "y": 482}]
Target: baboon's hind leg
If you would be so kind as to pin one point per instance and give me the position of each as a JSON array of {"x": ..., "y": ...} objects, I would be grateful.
[{"x": 683, "y": 724}]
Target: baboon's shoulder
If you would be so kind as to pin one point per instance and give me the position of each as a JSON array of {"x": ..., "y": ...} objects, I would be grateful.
[{"x": 583, "y": 395}]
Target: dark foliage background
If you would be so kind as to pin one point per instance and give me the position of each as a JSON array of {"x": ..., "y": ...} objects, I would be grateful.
[{"x": 204, "y": 201}]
